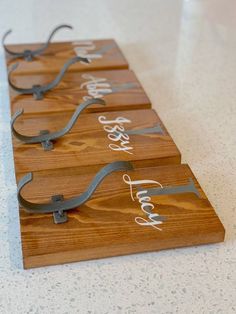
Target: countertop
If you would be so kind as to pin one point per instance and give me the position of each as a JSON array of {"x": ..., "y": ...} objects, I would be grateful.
[{"x": 184, "y": 53}]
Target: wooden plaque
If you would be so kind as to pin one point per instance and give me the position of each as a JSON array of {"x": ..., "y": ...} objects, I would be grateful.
[
  {"x": 103, "y": 55},
  {"x": 95, "y": 140},
  {"x": 120, "y": 89},
  {"x": 157, "y": 205},
  {"x": 116, "y": 221}
]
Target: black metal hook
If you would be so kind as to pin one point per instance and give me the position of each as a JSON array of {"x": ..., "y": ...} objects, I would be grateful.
[
  {"x": 39, "y": 90},
  {"x": 45, "y": 137},
  {"x": 59, "y": 206},
  {"x": 27, "y": 54}
]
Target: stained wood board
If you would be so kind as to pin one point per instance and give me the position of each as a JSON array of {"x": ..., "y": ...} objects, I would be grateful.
[
  {"x": 120, "y": 89},
  {"x": 88, "y": 144},
  {"x": 103, "y": 54},
  {"x": 107, "y": 225}
]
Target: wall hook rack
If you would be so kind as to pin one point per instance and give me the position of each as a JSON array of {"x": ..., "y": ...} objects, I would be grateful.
[{"x": 28, "y": 54}]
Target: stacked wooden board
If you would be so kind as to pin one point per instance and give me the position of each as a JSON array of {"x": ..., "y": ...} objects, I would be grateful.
[{"x": 154, "y": 202}]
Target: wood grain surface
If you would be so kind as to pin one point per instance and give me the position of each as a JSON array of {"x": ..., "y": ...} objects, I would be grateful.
[
  {"x": 106, "y": 226},
  {"x": 127, "y": 92},
  {"x": 116, "y": 220},
  {"x": 87, "y": 144},
  {"x": 109, "y": 56}
]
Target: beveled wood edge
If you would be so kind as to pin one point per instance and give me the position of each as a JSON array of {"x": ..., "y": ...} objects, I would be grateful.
[{"x": 85, "y": 255}]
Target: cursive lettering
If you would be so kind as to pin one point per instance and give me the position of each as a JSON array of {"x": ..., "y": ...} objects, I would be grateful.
[
  {"x": 96, "y": 87},
  {"x": 83, "y": 48},
  {"x": 115, "y": 130},
  {"x": 153, "y": 219}
]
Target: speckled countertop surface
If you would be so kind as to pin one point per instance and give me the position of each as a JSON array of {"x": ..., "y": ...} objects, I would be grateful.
[{"x": 184, "y": 53}]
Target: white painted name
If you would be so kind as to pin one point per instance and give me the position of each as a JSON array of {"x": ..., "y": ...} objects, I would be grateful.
[
  {"x": 84, "y": 49},
  {"x": 115, "y": 129},
  {"x": 145, "y": 202},
  {"x": 96, "y": 87}
]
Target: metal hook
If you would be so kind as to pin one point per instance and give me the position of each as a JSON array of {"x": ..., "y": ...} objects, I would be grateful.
[
  {"x": 45, "y": 138},
  {"x": 39, "y": 90},
  {"x": 59, "y": 206},
  {"x": 27, "y": 54}
]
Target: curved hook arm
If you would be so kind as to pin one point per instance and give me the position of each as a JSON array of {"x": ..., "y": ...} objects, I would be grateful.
[
  {"x": 47, "y": 137},
  {"x": 27, "y": 54},
  {"x": 39, "y": 90},
  {"x": 72, "y": 203}
]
